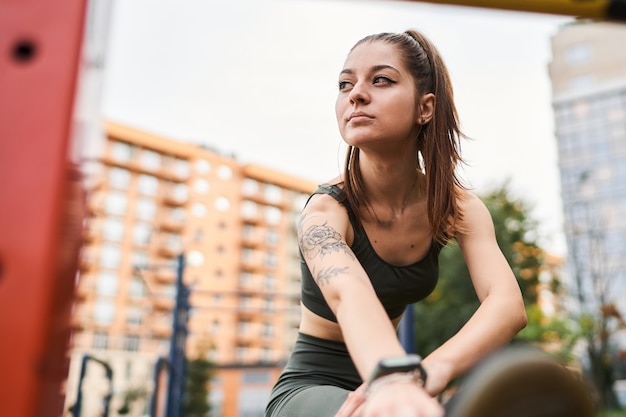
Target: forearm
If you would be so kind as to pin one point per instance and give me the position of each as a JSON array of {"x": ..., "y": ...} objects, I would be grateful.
[
  {"x": 492, "y": 326},
  {"x": 367, "y": 330}
]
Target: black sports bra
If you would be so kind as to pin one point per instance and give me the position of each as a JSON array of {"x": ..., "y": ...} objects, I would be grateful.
[{"x": 395, "y": 286}]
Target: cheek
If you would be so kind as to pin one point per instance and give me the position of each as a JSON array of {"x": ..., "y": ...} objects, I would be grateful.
[
  {"x": 339, "y": 111},
  {"x": 338, "y": 108}
]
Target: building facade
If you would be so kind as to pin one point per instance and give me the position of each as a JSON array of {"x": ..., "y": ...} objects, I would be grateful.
[
  {"x": 150, "y": 200},
  {"x": 588, "y": 74}
]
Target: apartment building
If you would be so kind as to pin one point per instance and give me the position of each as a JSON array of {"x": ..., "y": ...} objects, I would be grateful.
[
  {"x": 151, "y": 199},
  {"x": 588, "y": 74}
]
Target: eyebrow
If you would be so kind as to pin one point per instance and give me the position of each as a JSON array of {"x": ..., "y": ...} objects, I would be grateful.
[{"x": 373, "y": 69}]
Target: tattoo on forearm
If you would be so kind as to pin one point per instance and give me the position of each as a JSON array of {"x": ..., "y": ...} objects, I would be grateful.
[
  {"x": 326, "y": 274},
  {"x": 321, "y": 240}
]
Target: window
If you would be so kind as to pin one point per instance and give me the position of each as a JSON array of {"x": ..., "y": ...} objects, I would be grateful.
[
  {"x": 271, "y": 260},
  {"x": 146, "y": 209},
  {"x": 113, "y": 229},
  {"x": 251, "y": 401},
  {"x": 103, "y": 311},
  {"x": 578, "y": 54},
  {"x": 178, "y": 214},
  {"x": 222, "y": 203},
  {"x": 140, "y": 260},
  {"x": 121, "y": 151},
  {"x": 266, "y": 354},
  {"x": 250, "y": 187},
  {"x": 137, "y": 288},
  {"x": 169, "y": 291},
  {"x": 249, "y": 209},
  {"x": 273, "y": 193},
  {"x": 150, "y": 160},
  {"x": 202, "y": 166},
  {"x": 273, "y": 215},
  {"x": 115, "y": 203},
  {"x": 174, "y": 242},
  {"x": 110, "y": 256},
  {"x": 106, "y": 284},
  {"x": 256, "y": 377},
  {"x": 119, "y": 178},
  {"x": 245, "y": 279},
  {"x": 271, "y": 237},
  {"x": 148, "y": 184},
  {"x": 100, "y": 340},
  {"x": 134, "y": 315},
  {"x": 201, "y": 186},
  {"x": 181, "y": 168},
  {"x": 131, "y": 342},
  {"x": 199, "y": 210},
  {"x": 142, "y": 233},
  {"x": 179, "y": 192},
  {"x": 243, "y": 326},
  {"x": 240, "y": 353},
  {"x": 224, "y": 172}
]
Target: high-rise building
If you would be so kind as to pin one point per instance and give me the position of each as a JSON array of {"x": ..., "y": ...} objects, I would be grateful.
[
  {"x": 151, "y": 200},
  {"x": 588, "y": 73}
]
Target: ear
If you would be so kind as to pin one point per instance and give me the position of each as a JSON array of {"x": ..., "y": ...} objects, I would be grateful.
[{"x": 426, "y": 109}]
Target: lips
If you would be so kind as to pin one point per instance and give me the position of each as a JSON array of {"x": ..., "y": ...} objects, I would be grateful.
[{"x": 359, "y": 116}]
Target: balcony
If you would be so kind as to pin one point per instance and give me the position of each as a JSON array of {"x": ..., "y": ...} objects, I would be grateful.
[
  {"x": 163, "y": 304},
  {"x": 172, "y": 224},
  {"x": 169, "y": 250},
  {"x": 250, "y": 334},
  {"x": 174, "y": 198},
  {"x": 252, "y": 283},
  {"x": 165, "y": 275},
  {"x": 253, "y": 260},
  {"x": 161, "y": 328},
  {"x": 253, "y": 237}
]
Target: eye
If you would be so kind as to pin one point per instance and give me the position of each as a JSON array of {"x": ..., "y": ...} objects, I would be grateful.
[
  {"x": 343, "y": 85},
  {"x": 382, "y": 79}
]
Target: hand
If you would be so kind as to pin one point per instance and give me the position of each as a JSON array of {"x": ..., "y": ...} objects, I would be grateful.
[
  {"x": 439, "y": 375},
  {"x": 400, "y": 399},
  {"x": 352, "y": 407}
]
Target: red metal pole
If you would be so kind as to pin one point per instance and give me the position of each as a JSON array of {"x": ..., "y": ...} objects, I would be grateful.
[{"x": 40, "y": 200}]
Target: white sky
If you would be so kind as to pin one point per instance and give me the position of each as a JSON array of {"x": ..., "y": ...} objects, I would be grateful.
[{"x": 257, "y": 79}]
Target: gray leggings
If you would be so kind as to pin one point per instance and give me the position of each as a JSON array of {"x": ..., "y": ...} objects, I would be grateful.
[{"x": 315, "y": 382}]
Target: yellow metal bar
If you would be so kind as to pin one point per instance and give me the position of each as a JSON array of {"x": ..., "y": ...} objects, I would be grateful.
[{"x": 593, "y": 9}]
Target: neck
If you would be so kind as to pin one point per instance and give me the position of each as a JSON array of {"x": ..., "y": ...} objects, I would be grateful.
[{"x": 391, "y": 212}]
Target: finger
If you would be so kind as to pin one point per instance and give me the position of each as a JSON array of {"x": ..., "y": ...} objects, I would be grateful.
[{"x": 354, "y": 401}]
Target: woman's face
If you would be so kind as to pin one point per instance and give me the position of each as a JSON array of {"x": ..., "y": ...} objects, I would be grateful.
[{"x": 376, "y": 104}]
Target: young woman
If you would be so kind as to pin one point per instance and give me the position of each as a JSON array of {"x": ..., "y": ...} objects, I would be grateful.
[{"x": 370, "y": 241}]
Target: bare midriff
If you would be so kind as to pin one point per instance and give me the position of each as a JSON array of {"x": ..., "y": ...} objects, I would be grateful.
[{"x": 314, "y": 325}]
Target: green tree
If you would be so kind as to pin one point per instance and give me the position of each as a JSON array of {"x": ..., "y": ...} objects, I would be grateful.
[
  {"x": 199, "y": 374},
  {"x": 454, "y": 300}
]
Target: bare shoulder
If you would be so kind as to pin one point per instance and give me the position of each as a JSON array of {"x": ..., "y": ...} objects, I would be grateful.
[
  {"x": 323, "y": 209},
  {"x": 475, "y": 215}
]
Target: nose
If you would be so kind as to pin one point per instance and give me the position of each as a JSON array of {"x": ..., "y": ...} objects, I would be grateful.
[{"x": 359, "y": 94}]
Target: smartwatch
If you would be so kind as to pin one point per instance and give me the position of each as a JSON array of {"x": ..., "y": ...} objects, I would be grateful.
[{"x": 400, "y": 364}]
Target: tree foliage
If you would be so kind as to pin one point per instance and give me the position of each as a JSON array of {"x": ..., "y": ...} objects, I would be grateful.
[
  {"x": 199, "y": 374},
  {"x": 454, "y": 300}
]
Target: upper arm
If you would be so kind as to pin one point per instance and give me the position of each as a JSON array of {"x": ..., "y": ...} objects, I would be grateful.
[
  {"x": 323, "y": 231},
  {"x": 487, "y": 265}
]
